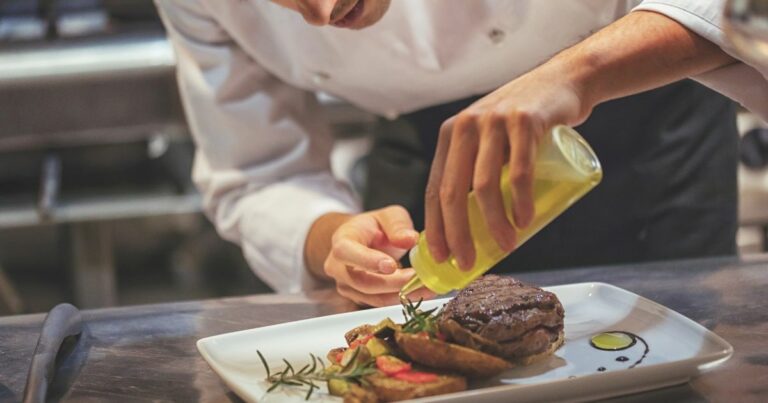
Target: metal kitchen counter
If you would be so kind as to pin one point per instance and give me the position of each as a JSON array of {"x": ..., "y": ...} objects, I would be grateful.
[{"x": 148, "y": 352}]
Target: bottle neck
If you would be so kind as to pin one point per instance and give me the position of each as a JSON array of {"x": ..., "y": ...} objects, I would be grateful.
[{"x": 412, "y": 285}]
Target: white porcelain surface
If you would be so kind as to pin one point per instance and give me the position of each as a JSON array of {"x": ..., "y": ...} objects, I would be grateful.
[{"x": 679, "y": 350}]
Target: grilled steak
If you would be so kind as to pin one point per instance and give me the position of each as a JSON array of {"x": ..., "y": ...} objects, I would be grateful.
[{"x": 505, "y": 317}]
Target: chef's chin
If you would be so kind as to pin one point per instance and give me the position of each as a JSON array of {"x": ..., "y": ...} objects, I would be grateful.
[{"x": 373, "y": 11}]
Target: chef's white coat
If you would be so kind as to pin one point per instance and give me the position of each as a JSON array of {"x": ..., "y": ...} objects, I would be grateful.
[{"x": 248, "y": 71}]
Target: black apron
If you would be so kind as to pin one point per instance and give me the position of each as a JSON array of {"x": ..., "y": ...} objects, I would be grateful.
[{"x": 669, "y": 190}]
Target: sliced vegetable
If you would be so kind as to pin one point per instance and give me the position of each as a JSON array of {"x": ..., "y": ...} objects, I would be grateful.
[
  {"x": 416, "y": 376},
  {"x": 338, "y": 387},
  {"x": 357, "y": 332},
  {"x": 385, "y": 328},
  {"x": 332, "y": 369},
  {"x": 334, "y": 356},
  {"x": 360, "y": 341},
  {"x": 355, "y": 356},
  {"x": 391, "y": 365},
  {"x": 377, "y": 347}
]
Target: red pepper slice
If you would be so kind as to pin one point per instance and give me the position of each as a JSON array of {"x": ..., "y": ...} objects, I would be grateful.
[
  {"x": 391, "y": 365},
  {"x": 416, "y": 377},
  {"x": 360, "y": 341},
  {"x": 339, "y": 356}
]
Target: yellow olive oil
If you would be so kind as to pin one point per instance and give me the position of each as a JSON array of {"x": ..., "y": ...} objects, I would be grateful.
[
  {"x": 566, "y": 168},
  {"x": 612, "y": 341}
]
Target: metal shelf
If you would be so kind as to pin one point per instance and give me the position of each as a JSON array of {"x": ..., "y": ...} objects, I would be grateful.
[
  {"x": 101, "y": 208},
  {"x": 103, "y": 57}
]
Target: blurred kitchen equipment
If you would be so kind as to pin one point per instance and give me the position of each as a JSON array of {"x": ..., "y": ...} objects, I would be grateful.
[
  {"x": 85, "y": 105},
  {"x": 754, "y": 148},
  {"x": 746, "y": 25},
  {"x": 20, "y": 20},
  {"x": 95, "y": 160},
  {"x": 80, "y": 17}
]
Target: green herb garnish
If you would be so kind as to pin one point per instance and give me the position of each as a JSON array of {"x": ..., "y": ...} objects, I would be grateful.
[
  {"x": 417, "y": 321},
  {"x": 314, "y": 372}
]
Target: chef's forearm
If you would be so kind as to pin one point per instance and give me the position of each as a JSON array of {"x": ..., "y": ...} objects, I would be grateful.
[
  {"x": 318, "y": 243},
  {"x": 642, "y": 51}
]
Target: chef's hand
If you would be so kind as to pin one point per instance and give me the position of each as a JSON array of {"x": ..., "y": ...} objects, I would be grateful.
[
  {"x": 641, "y": 51},
  {"x": 504, "y": 126},
  {"x": 364, "y": 253}
]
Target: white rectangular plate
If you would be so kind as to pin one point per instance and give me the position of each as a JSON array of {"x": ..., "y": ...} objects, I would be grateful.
[{"x": 679, "y": 349}]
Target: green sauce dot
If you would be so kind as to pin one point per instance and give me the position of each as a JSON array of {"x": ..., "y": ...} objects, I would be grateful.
[{"x": 612, "y": 341}]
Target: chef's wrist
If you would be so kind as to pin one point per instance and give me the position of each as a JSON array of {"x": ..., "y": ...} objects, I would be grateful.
[
  {"x": 577, "y": 71},
  {"x": 318, "y": 242},
  {"x": 563, "y": 91}
]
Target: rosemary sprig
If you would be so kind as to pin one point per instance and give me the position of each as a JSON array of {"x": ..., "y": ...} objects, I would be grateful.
[
  {"x": 417, "y": 321},
  {"x": 314, "y": 372},
  {"x": 355, "y": 373}
]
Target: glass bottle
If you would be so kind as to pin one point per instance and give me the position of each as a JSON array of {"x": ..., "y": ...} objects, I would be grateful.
[{"x": 566, "y": 169}]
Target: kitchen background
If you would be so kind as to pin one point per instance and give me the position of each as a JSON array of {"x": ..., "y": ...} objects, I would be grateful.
[{"x": 96, "y": 203}]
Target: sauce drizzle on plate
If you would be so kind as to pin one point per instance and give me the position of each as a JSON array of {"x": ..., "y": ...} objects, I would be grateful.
[{"x": 617, "y": 340}]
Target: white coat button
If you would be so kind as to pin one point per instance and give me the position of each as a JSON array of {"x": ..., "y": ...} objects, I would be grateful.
[
  {"x": 496, "y": 35},
  {"x": 320, "y": 77}
]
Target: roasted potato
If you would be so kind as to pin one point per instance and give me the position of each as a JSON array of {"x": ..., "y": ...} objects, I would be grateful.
[
  {"x": 334, "y": 355},
  {"x": 359, "y": 394},
  {"x": 362, "y": 330},
  {"x": 449, "y": 357},
  {"x": 389, "y": 389}
]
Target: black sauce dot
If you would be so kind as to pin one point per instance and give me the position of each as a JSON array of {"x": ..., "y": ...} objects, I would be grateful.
[
  {"x": 601, "y": 369},
  {"x": 622, "y": 359}
]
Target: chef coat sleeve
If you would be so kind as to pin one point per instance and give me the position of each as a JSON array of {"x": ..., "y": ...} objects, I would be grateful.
[
  {"x": 262, "y": 159},
  {"x": 746, "y": 81}
]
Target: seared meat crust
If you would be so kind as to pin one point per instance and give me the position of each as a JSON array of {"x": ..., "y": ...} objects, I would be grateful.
[{"x": 504, "y": 317}]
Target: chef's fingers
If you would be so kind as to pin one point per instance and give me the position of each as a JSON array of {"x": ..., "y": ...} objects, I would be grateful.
[
  {"x": 523, "y": 133},
  {"x": 397, "y": 226},
  {"x": 433, "y": 215},
  {"x": 350, "y": 252},
  {"x": 455, "y": 186},
  {"x": 487, "y": 179},
  {"x": 366, "y": 281},
  {"x": 377, "y": 300}
]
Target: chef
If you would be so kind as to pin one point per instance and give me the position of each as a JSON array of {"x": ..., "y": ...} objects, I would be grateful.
[{"x": 479, "y": 82}]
